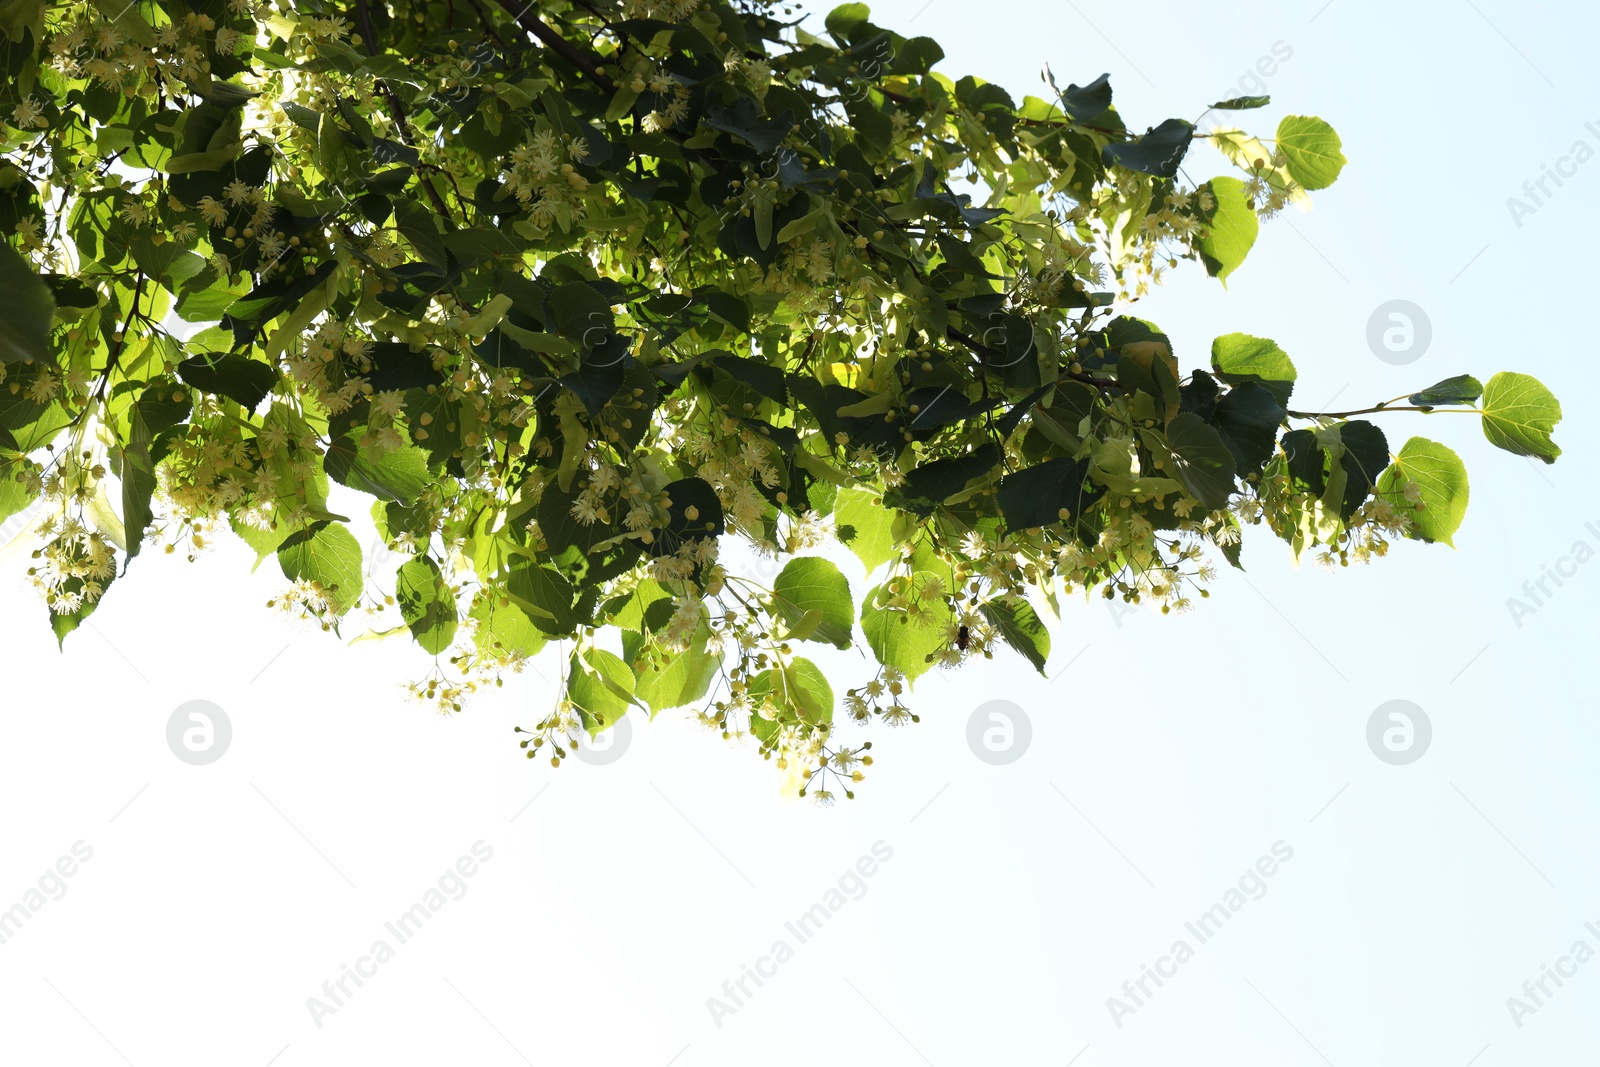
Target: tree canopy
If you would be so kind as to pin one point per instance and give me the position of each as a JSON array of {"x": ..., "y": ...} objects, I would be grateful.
[{"x": 625, "y": 313}]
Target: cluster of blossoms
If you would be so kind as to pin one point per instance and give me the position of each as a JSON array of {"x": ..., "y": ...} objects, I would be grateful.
[
  {"x": 883, "y": 697},
  {"x": 76, "y": 562},
  {"x": 94, "y": 47},
  {"x": 1306, "y": 521},
  {"x": 824, "y": 772},
  {"x": 1270, "y": 186},
  {"x": 307, "y": 601},
  {"x": 666, "y": 10},
  {"x": 218, "y": 216},
  {"x": 1140, "y": 246},
  {"x": 543, "y": 175},
  {"x": 560, "y": 730},
  {"x": 606, "y": 487}
]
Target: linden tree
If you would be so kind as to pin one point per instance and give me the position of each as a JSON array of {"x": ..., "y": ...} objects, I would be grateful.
[{"x": 625, "y": 315}]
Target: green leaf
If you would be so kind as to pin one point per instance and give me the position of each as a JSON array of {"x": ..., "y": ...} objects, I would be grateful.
[
  {"x": 129, "y": 20},
  {"x": 505, "y": 629},
  {"x": 811, "y": 583},
  {"x": 600, "y": 685},
  {"x": 1238, "y": 357},
  {"x": 897, "y": 639},
  {"x": 1084, "y": 103},
  {"x": 1441, "y": 479},
  {"x": 695, "y": 514},
  {"x": 867, "y": 528},
  {"x": 234, "y": 376},
  {"x": 207, "y": 303},
  {"x": 399, "y": 476},
  {"x": 845, "y": 18},
  {"x": 1313, "y": 150},
  {"x": 327, "y": 555},
  {"x": 189, "y": 162},
  {"x": 1201, "y": 460},
  {"x": 627, "y": 611},
  {"x": 801, "y": 686},
  {"x": 684, "y": 678},
  {"x": 546, "y": 596},
  {"x": 14, "y": 496},
  {"x": 138, "y": 483},
  {"x": 1037, "y": 496},
  {"x": 1231, "y": 229},
  {"x": 929, "y": 485},
  {"x": 426, "y": 603},
  {"x": 64, "y": 624},
  {"x": 1519, "y": 414},
  {"x": 1241, "y": 103},
  {"x": 1021, "y": 628},
  {"x": 417, "y": 225},
  {"x": 1366, "y": 454},
  {"x": 481, "y": 243},
  {"x": 1248, "y": 417},
  {"x": 25, "y": 325},
  {"x": 167, "y": 262},
  {"x": 1159, "y": 152},
  {"x": 1462, "y": 389}
]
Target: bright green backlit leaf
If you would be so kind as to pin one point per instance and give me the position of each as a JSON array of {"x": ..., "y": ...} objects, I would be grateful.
[{"x": 1519, "y": 414}]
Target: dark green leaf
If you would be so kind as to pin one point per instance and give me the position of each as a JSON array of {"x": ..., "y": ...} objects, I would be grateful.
[
  {"x": 545, "y": 595},
  {"x": 1019, "y": 625},
  {"x": 1160, "y": 151},
  {"x": 1203, "y": 463},
  {"x": 1248, "y": 417},
  {"x": 1037, "y": 496},
  {"x": 1241, "y": 103},
  {"x": 1366, "y": 454},
  {"x": 694, "y": 515},
  {"x": 25, "y": 325},
  {"x": 232, "y": 375},
  {"x": 1462, "y": 389},
  {"x": 399, "y": 476},
  {"x": 1087, "y": 102},
  {"x": 931, "y": 484}
]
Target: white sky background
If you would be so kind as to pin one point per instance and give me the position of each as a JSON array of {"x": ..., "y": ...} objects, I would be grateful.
[{"x": 1163, "y": 762}]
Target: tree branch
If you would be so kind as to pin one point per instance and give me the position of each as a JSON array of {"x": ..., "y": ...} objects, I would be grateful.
[
  {"x": 587, "y": 62},
  {"x": 1376, "y": 409},
  {"x": 980, "y": 349},
  {"x": 397, "y": 111}
]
